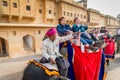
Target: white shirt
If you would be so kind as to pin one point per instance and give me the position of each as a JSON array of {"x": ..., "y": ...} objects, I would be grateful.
[{"x": 50, "y": 49}]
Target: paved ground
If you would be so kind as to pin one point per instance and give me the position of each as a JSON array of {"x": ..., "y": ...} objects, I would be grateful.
[
  {"x": 114, "y": 69},
  {"x": 13, "y": 69}
]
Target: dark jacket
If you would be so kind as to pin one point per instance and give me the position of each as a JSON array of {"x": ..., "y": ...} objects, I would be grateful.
[{"x": 63, "y": 29}]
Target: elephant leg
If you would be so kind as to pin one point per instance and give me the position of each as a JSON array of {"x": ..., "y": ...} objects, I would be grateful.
[{"x": 118, "y": 47}]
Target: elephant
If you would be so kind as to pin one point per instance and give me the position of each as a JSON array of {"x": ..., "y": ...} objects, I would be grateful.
[
  {"x": 34, "y": 72},
  {"x": 117, "y": 40}
]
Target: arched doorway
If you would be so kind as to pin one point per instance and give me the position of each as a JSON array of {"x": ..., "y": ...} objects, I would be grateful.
[
  {"x": 3, "y": 47},
  {"x": 29, "y": 43}
]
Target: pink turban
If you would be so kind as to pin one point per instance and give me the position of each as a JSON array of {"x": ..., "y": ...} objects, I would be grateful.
[{"x": 51, "y": 32}]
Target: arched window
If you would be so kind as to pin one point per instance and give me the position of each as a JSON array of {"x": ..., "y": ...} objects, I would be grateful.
[{"x": 29, "y": 43}]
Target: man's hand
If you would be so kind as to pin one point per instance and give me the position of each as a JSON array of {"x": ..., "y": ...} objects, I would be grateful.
[
  {"x": 52, "y": 61},
  {"x": 71, "y": 32}
]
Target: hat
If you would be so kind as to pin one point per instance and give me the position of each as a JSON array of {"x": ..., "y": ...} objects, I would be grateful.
[{"x": 51, "y": 32}]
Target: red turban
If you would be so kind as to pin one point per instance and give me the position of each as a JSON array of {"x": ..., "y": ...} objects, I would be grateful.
[{"x": 51, "y": 32}]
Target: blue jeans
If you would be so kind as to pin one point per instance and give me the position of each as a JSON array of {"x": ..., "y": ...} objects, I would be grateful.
[
  {"x": 86, "y": 41},
  {"x": 85, "y": 35}
]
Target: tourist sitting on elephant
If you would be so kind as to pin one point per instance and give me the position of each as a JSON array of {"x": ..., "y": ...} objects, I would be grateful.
[
  {"x": 50, "y": 46},
  {"x": 85, "y": 38},
  {"x": 65, "y": 48}
]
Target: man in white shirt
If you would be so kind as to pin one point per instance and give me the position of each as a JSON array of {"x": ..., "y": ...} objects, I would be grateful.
[{"x": 50, "y": 46}]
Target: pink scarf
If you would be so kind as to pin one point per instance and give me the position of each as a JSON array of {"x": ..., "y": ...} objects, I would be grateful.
[{"x": 51, "y": 32}]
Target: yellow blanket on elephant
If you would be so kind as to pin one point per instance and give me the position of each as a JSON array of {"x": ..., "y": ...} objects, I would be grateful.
[{"x": 49, "y": 72}]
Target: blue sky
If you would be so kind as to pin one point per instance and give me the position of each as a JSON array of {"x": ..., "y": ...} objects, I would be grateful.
[{"x": 110, "y": 7}]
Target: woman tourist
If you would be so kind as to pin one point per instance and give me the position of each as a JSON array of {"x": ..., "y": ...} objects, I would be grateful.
[{"x": 63, "y": 30}]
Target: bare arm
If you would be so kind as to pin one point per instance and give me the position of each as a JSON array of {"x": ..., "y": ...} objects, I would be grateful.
[{"x": 65, "y": 38}]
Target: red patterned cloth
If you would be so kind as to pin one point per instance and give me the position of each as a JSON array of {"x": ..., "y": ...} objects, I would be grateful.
[
  {"x": 86, "y": 65},
  {"x": 110, "y": 48}
]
